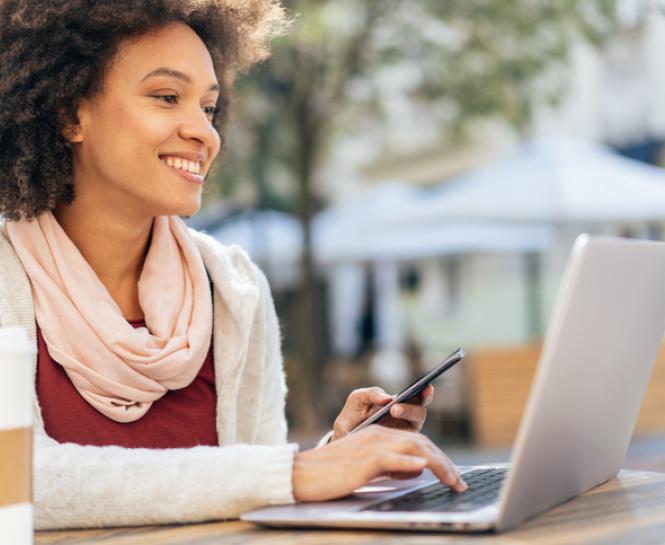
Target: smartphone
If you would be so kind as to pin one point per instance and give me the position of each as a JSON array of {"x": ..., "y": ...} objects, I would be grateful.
[{"x": 413, "y": 389}]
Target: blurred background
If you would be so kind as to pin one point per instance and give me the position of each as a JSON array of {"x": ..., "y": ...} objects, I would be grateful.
[{"x": 410, "y": 175}]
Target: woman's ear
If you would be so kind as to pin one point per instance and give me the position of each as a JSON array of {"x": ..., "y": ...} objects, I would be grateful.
[
  {"x": 71, "y": 125},
  {"x": 72, "y": 133}
]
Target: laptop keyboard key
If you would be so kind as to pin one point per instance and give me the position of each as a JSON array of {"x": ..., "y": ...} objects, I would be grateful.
[{"x": 484, "y": 486}]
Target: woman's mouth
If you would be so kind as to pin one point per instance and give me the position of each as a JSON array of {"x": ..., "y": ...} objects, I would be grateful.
[{"x": 190, "y": 170}]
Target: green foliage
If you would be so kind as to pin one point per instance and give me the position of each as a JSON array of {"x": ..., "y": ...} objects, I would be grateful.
[
  {"x": 470, "y": 59},
  {"x": 506, "y": 56}
]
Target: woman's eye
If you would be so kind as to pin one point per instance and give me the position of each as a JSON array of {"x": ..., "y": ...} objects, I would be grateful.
[
  {"x": 211, "y": 111},
  {"x": 170, "y": 99}
]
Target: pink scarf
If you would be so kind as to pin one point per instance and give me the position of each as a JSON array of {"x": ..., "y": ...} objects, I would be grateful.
[{"x": 120, "y": 370}]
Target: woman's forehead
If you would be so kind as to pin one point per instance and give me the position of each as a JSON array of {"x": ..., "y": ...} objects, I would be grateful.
[{"x": 174, "y": 50}]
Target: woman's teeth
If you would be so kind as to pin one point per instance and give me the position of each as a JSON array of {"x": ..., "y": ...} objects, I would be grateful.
[{"x": 183, "y": 164}]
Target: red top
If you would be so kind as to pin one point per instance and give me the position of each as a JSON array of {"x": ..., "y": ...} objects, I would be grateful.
[{"x": 181, "y": 418}]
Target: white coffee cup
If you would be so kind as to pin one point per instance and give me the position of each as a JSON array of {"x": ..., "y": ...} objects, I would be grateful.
[{"x": 16, "y": 385}]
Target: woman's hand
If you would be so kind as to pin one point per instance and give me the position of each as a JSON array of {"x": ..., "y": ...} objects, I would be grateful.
[
  {"x": 364, "y": 402},
  {"x": 337, "y": 469}
]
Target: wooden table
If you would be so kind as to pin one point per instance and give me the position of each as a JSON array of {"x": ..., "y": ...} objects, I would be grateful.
[{"x": 628, "y": 510}]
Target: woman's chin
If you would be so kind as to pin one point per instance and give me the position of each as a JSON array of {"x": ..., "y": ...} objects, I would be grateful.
[
  {"x": 189, "y": 211},
  {"x": 181, "y": 209}
]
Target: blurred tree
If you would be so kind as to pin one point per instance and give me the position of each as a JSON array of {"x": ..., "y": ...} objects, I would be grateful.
[{"x": 470, "y": 59}]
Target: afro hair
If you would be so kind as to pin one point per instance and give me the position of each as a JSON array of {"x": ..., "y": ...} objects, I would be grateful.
[{"x": 54, "y": 53}]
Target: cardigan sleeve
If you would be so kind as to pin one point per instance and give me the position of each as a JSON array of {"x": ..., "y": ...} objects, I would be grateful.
[
  {"x": 272, "y": 428},
  {"x": 88, "y": 486}
]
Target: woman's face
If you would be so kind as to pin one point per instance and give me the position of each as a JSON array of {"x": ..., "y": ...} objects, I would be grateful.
[{"x": 145, "y": 142}]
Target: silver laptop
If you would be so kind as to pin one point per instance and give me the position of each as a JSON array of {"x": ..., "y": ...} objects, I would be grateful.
[{"x": 603, "y": 337}]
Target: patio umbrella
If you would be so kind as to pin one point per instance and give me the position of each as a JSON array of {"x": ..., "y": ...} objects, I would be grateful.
[
  {"x": 373, "y": 228},
  {"x": 550, "y": 181}
]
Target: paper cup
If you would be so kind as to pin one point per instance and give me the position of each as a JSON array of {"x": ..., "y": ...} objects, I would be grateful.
[{"x": 16, "y": 376}]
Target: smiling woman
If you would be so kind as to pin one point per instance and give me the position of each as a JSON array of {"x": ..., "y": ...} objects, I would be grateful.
[{"x": 159, "y": 391}]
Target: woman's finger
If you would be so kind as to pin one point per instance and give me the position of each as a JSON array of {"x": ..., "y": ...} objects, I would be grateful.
[
  {"x": 437, "y": 461},
  {"x": 445, "y": 470},
  {"x": 428, "y": 395},
  {"x": 423, "y": 398},
  {"x": 362, "y": 398},
  {"x": 377, "y": 396},
  {"x": 415, "y": 414},
  {"x": 360, "y": 404}
]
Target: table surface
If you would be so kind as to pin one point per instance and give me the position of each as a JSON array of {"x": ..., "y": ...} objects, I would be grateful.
[{"x": 628, "y": 509}]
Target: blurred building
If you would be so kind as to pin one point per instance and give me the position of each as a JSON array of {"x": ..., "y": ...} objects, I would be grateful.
[{"x": 616, "y": 95}]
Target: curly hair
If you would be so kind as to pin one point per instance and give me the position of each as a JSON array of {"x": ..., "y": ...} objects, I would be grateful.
[{"x": 55, "y": 52}]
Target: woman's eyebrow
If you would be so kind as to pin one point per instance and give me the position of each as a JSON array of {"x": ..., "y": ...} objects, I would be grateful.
[{"x": 177, "y": 74}]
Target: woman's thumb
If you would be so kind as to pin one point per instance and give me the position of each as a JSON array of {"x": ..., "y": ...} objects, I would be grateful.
[{"x": 379, "y": 397}]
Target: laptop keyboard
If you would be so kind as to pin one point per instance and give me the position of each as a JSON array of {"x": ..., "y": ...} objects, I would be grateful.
[{"x": 484, "y": 487}]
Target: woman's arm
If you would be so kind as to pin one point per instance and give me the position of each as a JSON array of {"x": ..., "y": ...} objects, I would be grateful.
[{"x": 87, "y": 486}]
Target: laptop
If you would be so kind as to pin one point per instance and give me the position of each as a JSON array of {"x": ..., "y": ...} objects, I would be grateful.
[{"x": 603, "y": 337}]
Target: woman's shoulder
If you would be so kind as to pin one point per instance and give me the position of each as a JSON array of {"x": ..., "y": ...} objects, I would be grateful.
[
  {"x": 10, "y": 264},
  {"x": 16, "y": 305}
]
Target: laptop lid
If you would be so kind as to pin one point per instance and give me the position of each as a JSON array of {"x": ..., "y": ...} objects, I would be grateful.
[{"x": 603, "y": 338}]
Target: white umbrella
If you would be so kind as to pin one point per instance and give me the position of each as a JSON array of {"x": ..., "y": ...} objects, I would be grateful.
[
  {"x": 371, "y": 228},
  {"x": 435, "y": 240},
  {"x": 553, "y": 181}
]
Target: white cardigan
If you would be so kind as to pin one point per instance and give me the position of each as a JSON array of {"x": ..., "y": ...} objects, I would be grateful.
[{"x": 85, "y": 486}]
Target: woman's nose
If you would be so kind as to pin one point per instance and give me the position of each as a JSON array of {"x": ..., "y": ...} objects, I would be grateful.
[{"x": 197, "y": 126}]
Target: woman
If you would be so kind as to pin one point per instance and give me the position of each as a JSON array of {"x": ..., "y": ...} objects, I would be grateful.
[{"x": 159, "y": 392}]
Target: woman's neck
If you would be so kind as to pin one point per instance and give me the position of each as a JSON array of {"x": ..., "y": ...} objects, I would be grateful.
[{"x": 114, "y": 246}]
